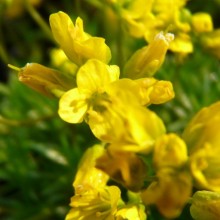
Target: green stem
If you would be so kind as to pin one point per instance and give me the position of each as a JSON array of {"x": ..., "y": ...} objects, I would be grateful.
[{"x": 38, "y": 19}]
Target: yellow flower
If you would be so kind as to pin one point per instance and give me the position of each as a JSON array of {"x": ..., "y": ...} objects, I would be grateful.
[
  {"x": 169, "y": 193},
  {"x": 171, "y": 15},
  {"x": 44, "y": 80},
  {"x": 169, "y": 151},
  {"x": 124, "y": 167},
  {"x": 202, "y": 22},
  {"x": 96, "y": 204},
  {"x": 130, "y": 128},
  {"x": 89, "y": 96},
  {"x": 205, "y": 205},
  {"x": 93, "y": 199},
  {"x": 77, "y": 44},
  {"x": 202, "y": 138},
  {"x": 147, "y": 60}
]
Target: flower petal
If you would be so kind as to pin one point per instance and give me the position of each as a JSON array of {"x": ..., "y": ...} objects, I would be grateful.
[{"x": 72, "y": 106}]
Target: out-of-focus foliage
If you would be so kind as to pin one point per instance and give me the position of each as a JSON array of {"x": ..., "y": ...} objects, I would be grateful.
[{"x": 39, "y": 152}]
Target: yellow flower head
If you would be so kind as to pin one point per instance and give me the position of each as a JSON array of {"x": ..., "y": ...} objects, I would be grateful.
[
  {"x": 202, "y": 138},
  {"x": 205, "y": 205},
  {"x": 77, "y": 44},
  {"x": 147, "y": 60},
  {"x": 89, "y": 96},
  {"x": 128, "y": 128},
  {"x": 96, "y": 204},
  {"x": 44, "y": 80},
  {"x": 93, "y": 199}
]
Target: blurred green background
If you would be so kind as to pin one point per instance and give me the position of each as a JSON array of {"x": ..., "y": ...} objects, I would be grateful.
[{"x": 39, "y": 152}]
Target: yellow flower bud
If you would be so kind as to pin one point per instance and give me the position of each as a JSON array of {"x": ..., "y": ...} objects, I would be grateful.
[
  {"x": 202, "y": 138},
  {"x": 202, "y": 22},
  {"x": 93, "y": 199},
  {"x": 147, "y": 60},
  {"x": 154, "y": 91},
  {"x": 205, "y": 205},
  {"x": 169, "y": 151},
  {"x": 45, "y": 80}
]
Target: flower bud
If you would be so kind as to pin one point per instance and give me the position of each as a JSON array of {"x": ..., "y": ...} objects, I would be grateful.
[
  {"x": 46, "y": 81},
  {"x": 202, "y": 22},
  {"x": 147, "y": 60},
  {"x": 205, "y": 205}
]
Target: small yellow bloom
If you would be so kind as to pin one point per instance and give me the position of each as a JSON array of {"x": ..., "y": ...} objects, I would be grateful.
[
  {"x": 89, "y": 96},
  {"x": 169, "y": 151},
  {"x": 202, "y": 138},
  {"x": 202, "y": 22},
  {"x": 129, "y": 128},
  {"x": 77, "y": 44},
  {"x": 124, "y": 167},
  {"x": 96, "y": 204},
  {"x": 169, "y": 193},
  {"x": 205, "y": 205},
  {"x": 44, "y": 80},
  {"x": 93, "y": 199},
  {"x": 147, "y": 60}
]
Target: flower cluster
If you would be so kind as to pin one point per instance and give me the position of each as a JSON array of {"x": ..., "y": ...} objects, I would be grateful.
[
  {"x": 144, "y": 19},
  {"x": 135, "y": 152}
]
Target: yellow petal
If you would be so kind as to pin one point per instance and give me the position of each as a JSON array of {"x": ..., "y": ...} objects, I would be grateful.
[
  {"x": 87, "y": 174},
  {"x": 94, "y": 75},
  {"x": 73, "y": 106}
]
